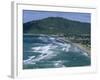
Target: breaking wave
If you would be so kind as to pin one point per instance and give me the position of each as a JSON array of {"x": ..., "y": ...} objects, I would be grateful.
[{"x": 52, "y": 52}]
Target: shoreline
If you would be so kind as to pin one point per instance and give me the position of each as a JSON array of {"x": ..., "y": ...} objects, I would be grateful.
[
  {"x": 88, "y": 51},
  {"x": 83, "y": 48}
]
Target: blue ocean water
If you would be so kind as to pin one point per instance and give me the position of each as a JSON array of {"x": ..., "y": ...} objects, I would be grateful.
[{"x": 43, "y": 51}]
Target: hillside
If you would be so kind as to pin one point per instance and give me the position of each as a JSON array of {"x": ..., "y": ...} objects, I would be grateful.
[{"x": 56, "y": 25}]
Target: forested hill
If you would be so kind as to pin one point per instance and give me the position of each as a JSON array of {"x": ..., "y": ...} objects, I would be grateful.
[{"x": 56, "y": 25}]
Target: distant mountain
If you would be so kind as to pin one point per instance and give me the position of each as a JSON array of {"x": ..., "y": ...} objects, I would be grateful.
[{"x": 56, "y": 25}]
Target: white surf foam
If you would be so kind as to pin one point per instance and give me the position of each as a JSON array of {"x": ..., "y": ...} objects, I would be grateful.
[
  {"x": 58, "y": 64},
  {"x": 29, "y": 60},
  {"x": 65, "y": 47},
  {"x": 46, "y": 53},
  {"x": 86, "y": 54},
  {"x": 43, "y": 38}
]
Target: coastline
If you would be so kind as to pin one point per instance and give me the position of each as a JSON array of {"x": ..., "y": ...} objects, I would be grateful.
[{"x": 83, "y": 48}]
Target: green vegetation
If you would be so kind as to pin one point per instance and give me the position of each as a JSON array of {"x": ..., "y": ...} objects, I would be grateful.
[{"x": 56, "y": 25}]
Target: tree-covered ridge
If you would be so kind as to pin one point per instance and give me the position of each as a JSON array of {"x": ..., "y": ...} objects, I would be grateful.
[{"x": 56, "y": 25}]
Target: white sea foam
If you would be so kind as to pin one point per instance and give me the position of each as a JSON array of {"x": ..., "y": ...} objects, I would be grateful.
[
  {"x": 31, "y": 57},
  {"x": 49, "y": 51},
  {"x": 86, "y": 54},
  {"x": 41, "y": 57},
  {"x": 52, "y": 39},
  {"x": 66, "y": 47},
  {"x": 36, "y": 48},
  {"x": 29, "y": 60},
  {"x": 60, "y": 44},
  {"x": 58, "y": 64},
  {"x": 41, "y": 49},
  {"x": 43, "y": 39},
  {"x": 46, "y": 53}
]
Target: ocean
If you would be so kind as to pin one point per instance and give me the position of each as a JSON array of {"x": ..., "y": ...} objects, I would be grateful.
[{"x": 45, "y": 51}]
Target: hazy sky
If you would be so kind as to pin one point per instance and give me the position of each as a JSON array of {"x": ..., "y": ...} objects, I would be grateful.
[{"x": 29, "y": 15}]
